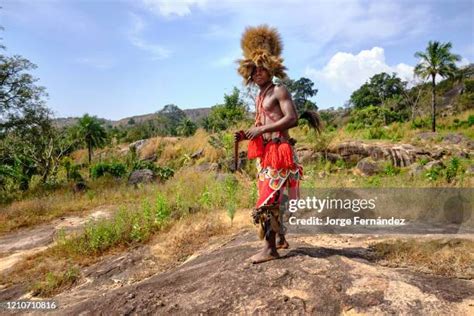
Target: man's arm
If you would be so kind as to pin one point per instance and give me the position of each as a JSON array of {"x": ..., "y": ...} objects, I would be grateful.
[{"x": 289, "y": 119}]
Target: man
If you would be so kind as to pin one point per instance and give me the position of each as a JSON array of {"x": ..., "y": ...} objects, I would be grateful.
[{"x": 270, "y": 143}]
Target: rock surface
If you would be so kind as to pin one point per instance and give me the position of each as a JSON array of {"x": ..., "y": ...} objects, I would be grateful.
[
  {"x": 141, "y": 176},
  {"x": 323, "y": 275},
  {"x": 367, "y": 167},
  {"x": 401, "y": 155}
]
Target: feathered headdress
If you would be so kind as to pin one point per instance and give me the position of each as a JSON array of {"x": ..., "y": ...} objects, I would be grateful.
[{"x": 261, "y": 46}]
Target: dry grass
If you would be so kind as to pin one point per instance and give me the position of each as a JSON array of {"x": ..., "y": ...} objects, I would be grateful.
[
  {"x": 446, "y": 257},
  {"x": 190, "y": 145},
  {"x": 35, "y": 210},
  {"x": 192, "y": 199},
  {"x": 55, "y": 270}
]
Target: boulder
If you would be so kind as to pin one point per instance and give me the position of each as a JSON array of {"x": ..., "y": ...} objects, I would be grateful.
[
  {"x": 453, "y": 138},
  {"x": 306, "y": 155},
  {"x": 401, "y": 155},
  {"x": 368, "y": 167},
  {"x": 141, "y": 176},
  {"x": 207, "y": 166},
  {"x": 332, "y": 157},
  {"x": 197, "y": 154},
  {"x": 427, "y": 135},
  {"x": 138, "y": 144},
  {"x": 433, "y": 164},
  {"x": 438, "y": 153},
  {"x": 351, "y": 151}
]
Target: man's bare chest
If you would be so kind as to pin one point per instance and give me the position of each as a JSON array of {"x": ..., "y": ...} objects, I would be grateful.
[{"x": 271, "y": 107}]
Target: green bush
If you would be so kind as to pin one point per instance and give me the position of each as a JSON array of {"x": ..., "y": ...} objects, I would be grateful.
[
  {"x": 467, "y": 123},
  {"x": 469, "y": 86},
  {"x": 423, "y": 161},
  {"x": 115, "y": 169},
  {"x": 391, "y": 170},
  {"x": 376, "y": 133},
  {"x": 452, "y": 169},
  {"x": 164, "y": 173},
  {"x": 421, "y": 123},
  {"x": 373, "y": 116},
  {"x": 434, "y": 173}
]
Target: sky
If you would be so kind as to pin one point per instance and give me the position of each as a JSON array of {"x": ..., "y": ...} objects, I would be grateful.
[{"x": 119, "y": 58}]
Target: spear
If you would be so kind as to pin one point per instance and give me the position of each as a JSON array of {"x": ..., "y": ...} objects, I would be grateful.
[{"x": 239, "y": 136}]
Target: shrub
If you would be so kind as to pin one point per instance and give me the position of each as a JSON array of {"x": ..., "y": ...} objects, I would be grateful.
[
  {"x": 115, "y": 169},
  {"x": 423, "y": 161},
  {"x": 421, "y": 123},
  {"x": 452, "y": 169},
  {"x": 434, "y": 173},
  {"x": 373, "y": 116},
  {"x": 391, "y": 170},
  {"x": 375, "y": 133}
]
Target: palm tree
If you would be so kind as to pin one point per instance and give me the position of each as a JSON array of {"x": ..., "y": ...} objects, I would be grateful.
[
  {"x": 436, "y": 60},
  {"x": 186, "y": 127},
  {"x": 91, "y": 132}
]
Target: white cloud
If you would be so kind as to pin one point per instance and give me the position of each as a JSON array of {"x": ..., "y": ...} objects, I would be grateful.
[
  {"x": 135, "y": 36},
  {"x": 346, "y": 72},
  {"x": 172, "y": 7},
  {"x": 317, "y": 24}
]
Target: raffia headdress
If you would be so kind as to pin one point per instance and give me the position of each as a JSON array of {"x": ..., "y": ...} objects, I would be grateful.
[{"x": 261, "y": 47}]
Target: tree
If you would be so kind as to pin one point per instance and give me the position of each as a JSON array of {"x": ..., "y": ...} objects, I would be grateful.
[
  {"x": 186, "y": 127},
  {"x": 169, "y": 118},
  {"x": 227, "y": 114},
  {"x": 21, "y": 100},
  {"x": 29, "y": 143},
  {"x": 437, "y": 59},
  {"x": 377, "y": 90},
  {"x": 91, "y": 132},
  {"x": 301, "y": 91}
]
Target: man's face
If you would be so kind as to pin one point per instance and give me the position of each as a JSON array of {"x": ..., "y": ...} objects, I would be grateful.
[{"x": 260, "y": 76}]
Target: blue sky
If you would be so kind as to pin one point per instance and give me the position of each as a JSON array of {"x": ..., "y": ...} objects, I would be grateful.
[{"x": 115, "y": 59}]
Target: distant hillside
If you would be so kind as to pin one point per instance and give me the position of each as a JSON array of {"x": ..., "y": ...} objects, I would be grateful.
[{"x": 193, "y": 114}]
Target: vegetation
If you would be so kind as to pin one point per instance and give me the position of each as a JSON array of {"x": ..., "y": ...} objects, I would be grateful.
[
  {"x": 40, "y": 162},
  {"x": 91, "y": 132},
  {"x": 377, "y": 91},
  {"x": 301, "y": 91},
  {"x": 222, "y": 116},
  {"x": 436, "y": 60},
  {"x": 451, "y": 258}
]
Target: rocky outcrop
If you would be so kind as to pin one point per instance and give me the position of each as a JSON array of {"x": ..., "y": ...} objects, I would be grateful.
[
  {"x": 318, "y": 275},
  {"x": 141, "y": 176},
  {"x": 138, "y": 145},
  {"x": 367, "y": 167},
  {"x": 401, "y": 155}
]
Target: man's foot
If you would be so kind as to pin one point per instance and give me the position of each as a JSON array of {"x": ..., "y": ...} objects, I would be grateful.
[
  {"x": 282, "y": 243},
  {"x": 264, "y": 255},
  {"x": 268, "y": 252}
]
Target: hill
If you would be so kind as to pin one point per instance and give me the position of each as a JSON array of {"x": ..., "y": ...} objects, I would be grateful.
[{"x": 193, "y": 114}]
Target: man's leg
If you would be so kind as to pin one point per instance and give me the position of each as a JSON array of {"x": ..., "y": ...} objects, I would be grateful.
[{"x": 268, "y": 218}]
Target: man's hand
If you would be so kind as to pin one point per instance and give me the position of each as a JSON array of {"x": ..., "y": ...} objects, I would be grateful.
[
  {"x": 239, "y": 136},
  {"x": 254, "y": 132}
]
